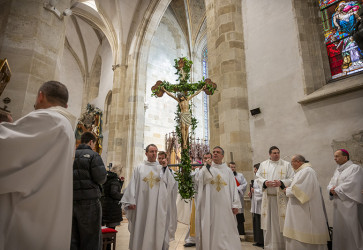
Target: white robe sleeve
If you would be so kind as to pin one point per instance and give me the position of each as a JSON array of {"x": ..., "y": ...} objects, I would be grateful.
[
  {"x": 236, "y": 202},
  {"x": 302, "y": 187},
  {"x": 129, "y": 195},
  {"x": 257, "y": 192},
  {"x": 289, "y": 175},
  {"x": 243, "y": 184},
  {"x": 351, "y": 187},
  {"x": 332, "y": 183},
  {"x": 204, "y": 176},
  {"x": 259, "y": 177}
]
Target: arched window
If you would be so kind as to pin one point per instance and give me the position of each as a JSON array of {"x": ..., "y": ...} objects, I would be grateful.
[
  {"x": 339, "y": 18},
  {"x": 205, "y": 97},
  {"x": 108, "y": 103}
]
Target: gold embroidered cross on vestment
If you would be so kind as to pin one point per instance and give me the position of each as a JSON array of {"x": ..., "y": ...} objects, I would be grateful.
[
  {"x": 219, "y": 182},
  {"x": 282, "y": 173},
  {"x": 264, "y": 174},
  {"x": 151, "y": 180}
]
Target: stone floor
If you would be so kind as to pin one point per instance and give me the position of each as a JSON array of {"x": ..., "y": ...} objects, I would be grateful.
[{"x": 123, "y": 239}]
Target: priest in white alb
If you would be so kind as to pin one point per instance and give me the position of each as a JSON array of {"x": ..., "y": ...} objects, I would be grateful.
[
  {"x": 217, "y": 204},
  {"x": 305, "y": 222},
  {"x": 36, "y": 174},
  {"x": 190, "y": 239},
  {"x": 145, "y": 202},
  {"x": 241, "y": 187},
  {"x": 172, "y": 221},
  {"x": 345, "y": 189},
  {"x": 273, "y": 176}
]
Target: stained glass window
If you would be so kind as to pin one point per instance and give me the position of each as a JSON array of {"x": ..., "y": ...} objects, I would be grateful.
[
  {"x": 339, "y": 19},
  {"x": 205, "y": 97}
]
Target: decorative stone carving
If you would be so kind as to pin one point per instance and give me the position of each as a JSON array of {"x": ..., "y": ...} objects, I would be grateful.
[{"x": 354, "y": 146}]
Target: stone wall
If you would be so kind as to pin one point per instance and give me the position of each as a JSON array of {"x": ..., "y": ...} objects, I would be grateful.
[
  {"x": 280, "y": 74},
  {"x": 32, "y": 39}
]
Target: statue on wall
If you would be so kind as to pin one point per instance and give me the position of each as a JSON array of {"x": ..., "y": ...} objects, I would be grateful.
[
  {"x": 90, "y": 121},
  {"x": 5, "y": 74}
]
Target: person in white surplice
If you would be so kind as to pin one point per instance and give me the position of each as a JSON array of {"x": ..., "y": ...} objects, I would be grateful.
[
  {"x": 146, "y": 203},
  {"x": 305, "y": 225},
  {"x": 345, "y": 189},
  {"x": 190, "y": 236},
  {"x": 217, "y": 204},
  {"x": 172, "y": 217},
  {"x": 36, "y": 174},
  {"x": 256, "y": 199},
  {"x": 273, "y": 176},
  {"x": 241, "y": 187}
]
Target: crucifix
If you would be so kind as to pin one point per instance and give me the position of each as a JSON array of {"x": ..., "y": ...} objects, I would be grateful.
[
  {"x": 185, "y": 115},
  {"x": 185, "y": 92}
]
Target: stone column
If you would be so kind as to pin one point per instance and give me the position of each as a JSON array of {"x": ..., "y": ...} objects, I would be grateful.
[
  {"x": 115, "y": 129},
  {"x": 32, "y": 39},
  {"x": 125, "y": 141},
  {"x": 229, "y": 112}
]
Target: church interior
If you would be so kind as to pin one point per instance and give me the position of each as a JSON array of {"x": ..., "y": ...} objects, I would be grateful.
[{"x": 278, "y": 79}]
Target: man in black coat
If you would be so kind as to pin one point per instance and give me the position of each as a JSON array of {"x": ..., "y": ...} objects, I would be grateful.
[{"x": 88, "y": 174}]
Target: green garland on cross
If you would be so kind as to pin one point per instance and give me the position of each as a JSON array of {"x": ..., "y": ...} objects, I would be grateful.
[{"x": 183, "y": 93}]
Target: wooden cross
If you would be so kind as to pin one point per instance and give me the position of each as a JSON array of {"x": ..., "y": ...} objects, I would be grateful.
[
  {"x": 151, "y": 180},
  {"x": 219, "y": 182}
]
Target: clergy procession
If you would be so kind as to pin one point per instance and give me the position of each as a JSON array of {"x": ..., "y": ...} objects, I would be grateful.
[{"x": 42, "y": 208}]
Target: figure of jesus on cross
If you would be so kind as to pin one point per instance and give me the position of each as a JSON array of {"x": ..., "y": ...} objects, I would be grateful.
[
  {"x": 185, "y": 93},
  {"x": 185, "y": 115}
]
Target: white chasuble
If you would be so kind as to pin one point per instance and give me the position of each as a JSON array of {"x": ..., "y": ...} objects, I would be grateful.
[
  {"x": 216, "y": 225},
  {"x": 274, "y": 201},
  {"x": 36, "y": 180},
  {"x": 149, "y": 189},
  {"x": 348, "y": 206},
  {"x": 305, "y": 219}
]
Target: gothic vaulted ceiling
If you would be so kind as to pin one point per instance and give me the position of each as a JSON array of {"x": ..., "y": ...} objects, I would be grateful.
[{"x": 191, "y": 16}]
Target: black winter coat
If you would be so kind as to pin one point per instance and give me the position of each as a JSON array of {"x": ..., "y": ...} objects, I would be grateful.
[
  {"x": 89, "y": 173},
  {"x": 111, "y": 209}
]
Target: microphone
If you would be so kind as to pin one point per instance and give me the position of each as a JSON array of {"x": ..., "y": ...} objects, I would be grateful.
[{"x": 208, "y": 166}]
